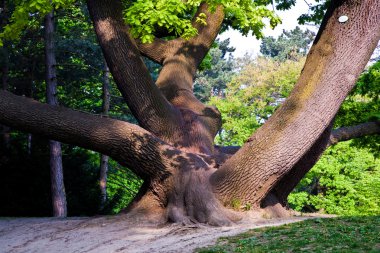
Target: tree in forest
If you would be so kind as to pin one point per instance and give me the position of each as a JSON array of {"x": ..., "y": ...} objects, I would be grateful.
[
  {"x": 217, "y": 72},
  {"x": 104, "y": 158},
  {"x": 290, "y": 45},
  {"x": 56, "y": 168},
  {"x": 186, "y": 177},
  {"x": 253, "y": 95}
]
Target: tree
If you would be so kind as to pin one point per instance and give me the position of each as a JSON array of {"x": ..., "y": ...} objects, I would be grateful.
[
  {"x": 212, "y": 80},
  {"x": 253, "y": 95},
  {"x": 186, "y": 178},
  {"x": 56, "y": 168},
  {"x": 290, "y": 45},
  {"x": 104, "y": 158}
]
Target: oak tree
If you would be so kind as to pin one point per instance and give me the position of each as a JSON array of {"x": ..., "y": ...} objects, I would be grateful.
[{"x": 186, "y": 177}]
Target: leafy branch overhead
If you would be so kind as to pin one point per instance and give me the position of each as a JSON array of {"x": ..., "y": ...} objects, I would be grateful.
[
  {"x": 26, "y": 13},
  {"x": 148, "y": 19}
]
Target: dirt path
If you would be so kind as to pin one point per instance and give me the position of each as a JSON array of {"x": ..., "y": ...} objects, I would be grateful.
[{"x": 114, "y": 234}]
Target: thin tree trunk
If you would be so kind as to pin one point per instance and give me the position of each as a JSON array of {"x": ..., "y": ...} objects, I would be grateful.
[
  {"x": 104, "y": 158},
  {"x": 56, "y": 170},
  {"x": 4, "y": 130}
]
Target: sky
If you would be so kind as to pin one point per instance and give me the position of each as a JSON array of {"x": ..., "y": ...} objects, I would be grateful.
[{"x": 250, "y": 45}]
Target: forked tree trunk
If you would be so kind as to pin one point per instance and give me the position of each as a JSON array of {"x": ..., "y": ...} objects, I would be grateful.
[
  {"x": 287, "y": 143},
  {"x": 104, "y": 158},
  {"x": 190, "y": 181},
  {"x": 56, "y": 171}
]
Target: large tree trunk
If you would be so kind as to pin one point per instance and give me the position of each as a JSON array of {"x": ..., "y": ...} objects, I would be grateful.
[
  {"x": 104, "y": 158},
  {"x": 56, "y": 170}
]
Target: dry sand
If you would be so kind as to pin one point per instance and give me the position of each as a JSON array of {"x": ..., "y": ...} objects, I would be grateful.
[{"x": 115, "y": 234}]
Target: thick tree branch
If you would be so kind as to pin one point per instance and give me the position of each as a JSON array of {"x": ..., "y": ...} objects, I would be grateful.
[
  {"x": 158, "y": 50},
  {"x": 207, "y": 34},
  {"x": 177, "y": 74},
  {"x": 146, "y": 102},
  {"x": 128, "y": 144},
  {"x": 351, "y": 132},
  {"x": 338, "y": 56}
]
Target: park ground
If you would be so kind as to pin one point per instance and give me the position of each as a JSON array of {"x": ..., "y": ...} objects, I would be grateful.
[
  {"x": 313, "y": 233},
  {"x": 117, "y": 234}
]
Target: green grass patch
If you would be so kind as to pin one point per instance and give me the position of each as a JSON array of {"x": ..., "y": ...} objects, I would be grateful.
[{"x": 348, "y": 234}]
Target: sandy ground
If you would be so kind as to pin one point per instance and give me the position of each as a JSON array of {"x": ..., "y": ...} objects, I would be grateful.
[{"x": 115, "y": 234}]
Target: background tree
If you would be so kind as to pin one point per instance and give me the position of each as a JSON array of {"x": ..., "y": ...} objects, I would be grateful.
[
  {"x": 290, "y": 45},
  {"x": 216, "y": 72},
  {"x": 27, "y": 162},
  {"x": 104, "y": 158},
  {"x": 56, "y": 169}
]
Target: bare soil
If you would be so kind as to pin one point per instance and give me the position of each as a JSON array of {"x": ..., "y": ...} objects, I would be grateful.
[{"x": 116, "y": 234}]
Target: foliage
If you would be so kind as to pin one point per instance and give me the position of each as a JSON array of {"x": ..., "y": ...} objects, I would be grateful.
[
  {"x": 27, "y": 13},
  {"x": 122, "y": 186},
  {"x": 79, "y": 71},
  {"x": 345, "y": 181},
  {"x": 252, "y": 96},
  {"x": 316, "y": 12},
  {"x": 212, "y": 80},
  {"x": 147, "y": 18},
  {"x": 290, "y": 45},
  {"x": 350, "y": 234}
]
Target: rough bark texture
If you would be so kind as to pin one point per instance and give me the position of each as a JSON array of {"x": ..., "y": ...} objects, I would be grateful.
[
  {"x": 339, "y": 54},
  {"x": 176, "y": 82},
  {"x": 104, "y": 158},
  {"x": 154, "y": 113},
  {"x": 285, "y": 186},
  {"x": 56, "y": 170}
]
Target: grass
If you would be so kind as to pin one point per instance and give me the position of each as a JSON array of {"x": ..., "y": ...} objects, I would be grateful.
[{"x": 346, "y": 234}]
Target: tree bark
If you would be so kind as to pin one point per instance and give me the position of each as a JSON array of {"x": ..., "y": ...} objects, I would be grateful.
[
  {"x": 153, "y": 112},
  {"x": 336, "y": 59},
  {"x": 104, "y": 158},
  {"x": 127, "y": 143},
  {"x": 180, "y": 120},
  {"x": 176, "y": 82},
  {"x": 56, "y": 170}
]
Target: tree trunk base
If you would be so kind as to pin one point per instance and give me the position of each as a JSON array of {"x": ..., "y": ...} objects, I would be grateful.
[
  {"x": 272, "y": 207},
  {"x": 185, "y": 198}
]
